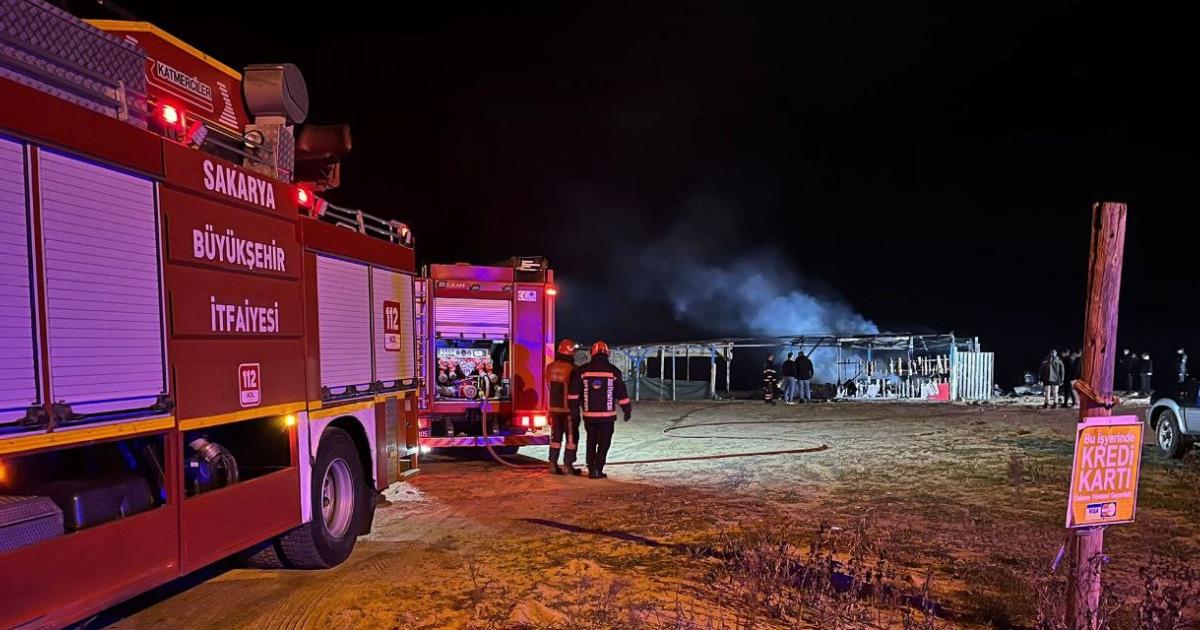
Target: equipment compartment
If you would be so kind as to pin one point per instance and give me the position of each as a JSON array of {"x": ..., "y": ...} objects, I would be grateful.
[
  {"x": 89, "y": 485},
  {"x": 28, "y": 520}
]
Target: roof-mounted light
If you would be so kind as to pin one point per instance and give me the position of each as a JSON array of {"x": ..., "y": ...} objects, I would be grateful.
[
  {"x": 304, "y": 197},
  {"x": 171, "y": 116}
]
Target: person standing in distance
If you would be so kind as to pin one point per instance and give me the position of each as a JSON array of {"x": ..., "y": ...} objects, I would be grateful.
[
  {"x": 563, "y": 424},
  {"x": 1072, "y": 371},
  {"x": 1052, "y": 376},
  {"x": 804, "y": 374},
  {"x": 769, "y": 378},
  {"x": 789, "y": 380},
  {"x": 1146, "y": 370},
  {"x": 597, "y": 389}
]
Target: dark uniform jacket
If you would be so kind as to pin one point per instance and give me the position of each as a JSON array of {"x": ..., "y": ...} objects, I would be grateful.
[
  {"x": 558, "y": 373},
  {"x": 597, "y": 389},
  {"x": 769, "y": 376}
]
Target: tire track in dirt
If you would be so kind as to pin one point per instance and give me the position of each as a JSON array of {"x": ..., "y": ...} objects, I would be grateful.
[{"x": 306, "y": 606}]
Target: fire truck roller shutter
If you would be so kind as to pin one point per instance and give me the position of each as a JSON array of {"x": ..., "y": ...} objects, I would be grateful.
[
  {"x": 394, "y": 357},
  {"x": 472, "y": 318},
  {"x": 18, "y": 374},
  {"x": 103, "y": 303},
  {"x": 344, "y": 320}
]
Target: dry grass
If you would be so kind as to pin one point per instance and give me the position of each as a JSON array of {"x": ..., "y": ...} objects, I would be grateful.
[{"x": 916, "y": 517}]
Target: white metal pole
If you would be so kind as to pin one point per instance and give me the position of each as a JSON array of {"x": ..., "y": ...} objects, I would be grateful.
[
  {"x": 662, "y": 371},
  {"x": 728, "y": 368},
  {"x": 712, "y": 373},
  {"x": 637, "y": 374},
  {"x": 674, "y": 367}
]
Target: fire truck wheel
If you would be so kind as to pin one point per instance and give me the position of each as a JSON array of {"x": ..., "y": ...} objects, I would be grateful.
[
  {"x": 338, "y": 507},
  {"x": 262, "y": 556}
]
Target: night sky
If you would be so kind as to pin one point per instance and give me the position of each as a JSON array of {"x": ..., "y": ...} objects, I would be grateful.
[{"x": 931, "y": 166}]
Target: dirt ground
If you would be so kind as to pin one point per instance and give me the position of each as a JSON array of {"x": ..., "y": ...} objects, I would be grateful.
[{"x": 915, "y": 515}]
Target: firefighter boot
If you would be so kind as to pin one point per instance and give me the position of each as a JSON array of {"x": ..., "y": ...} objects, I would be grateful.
[
  {"x": 569, "y": 452},
  {"x": 556, "y": 434}
]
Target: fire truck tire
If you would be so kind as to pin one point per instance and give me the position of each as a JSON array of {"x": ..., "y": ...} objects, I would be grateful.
[
  {"x": 263, "y": 556},
  {"x": 338, "y": 507}
]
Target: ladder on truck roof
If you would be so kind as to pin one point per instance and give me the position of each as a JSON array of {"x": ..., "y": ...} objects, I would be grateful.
[{"x": 364, "y": 223}]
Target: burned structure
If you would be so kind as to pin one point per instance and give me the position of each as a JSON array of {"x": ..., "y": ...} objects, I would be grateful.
[{"x": 880, "y": 366}]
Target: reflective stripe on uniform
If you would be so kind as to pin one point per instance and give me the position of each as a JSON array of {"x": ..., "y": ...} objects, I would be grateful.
[
  {"x": 623, "y": 401},
  {"x": 555, "y": 444},
  {"x": 608, "y": 375},
  {"x": 599, "y": 414}
]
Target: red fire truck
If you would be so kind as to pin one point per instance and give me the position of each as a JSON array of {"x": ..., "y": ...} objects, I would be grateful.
[
  {"x": 198, "y": 354},
  {"x": 487, "y": 334}
]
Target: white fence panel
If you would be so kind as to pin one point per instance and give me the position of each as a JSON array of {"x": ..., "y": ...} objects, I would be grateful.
[{"x": 974, "y": 375}]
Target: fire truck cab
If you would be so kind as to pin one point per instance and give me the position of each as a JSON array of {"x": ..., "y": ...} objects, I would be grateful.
[{"x": 487, "y": 336}]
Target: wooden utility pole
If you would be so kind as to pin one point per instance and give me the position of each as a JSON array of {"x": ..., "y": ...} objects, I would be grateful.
[{"x": 1095, "y": 388}]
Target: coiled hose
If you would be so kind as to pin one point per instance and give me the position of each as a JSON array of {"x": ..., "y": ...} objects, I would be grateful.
[{"x": 218, "y": 457}]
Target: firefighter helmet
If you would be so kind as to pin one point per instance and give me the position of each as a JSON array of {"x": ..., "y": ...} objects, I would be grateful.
[
  {"x": 566, "y": 346},
  {"x": 599, "y": 348}
]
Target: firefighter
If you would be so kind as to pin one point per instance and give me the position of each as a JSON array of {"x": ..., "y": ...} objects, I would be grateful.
[
  {"x": 563, "y": 423},
  {"x": 597, "y": 389},
  {"x": 769, "y": 378}
]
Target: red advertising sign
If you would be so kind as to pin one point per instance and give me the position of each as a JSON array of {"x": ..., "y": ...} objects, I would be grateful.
[
  {"x": 249, "y": 384},
  {"x": 392, "y": 335},
  {"x": 1104, "y": 478}
]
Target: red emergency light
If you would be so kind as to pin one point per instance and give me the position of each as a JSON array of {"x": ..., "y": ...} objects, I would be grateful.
[
  {"x": 170, "y": 115},
  {"x": 535, "y": 422},
  {"x": 551, "y": 291},
  {"x": 304, "y": 198}
]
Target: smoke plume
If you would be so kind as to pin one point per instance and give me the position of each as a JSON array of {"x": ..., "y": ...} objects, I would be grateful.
[
  {"x": 719, "y": 281},
  {"x": 756, "y": 296}
]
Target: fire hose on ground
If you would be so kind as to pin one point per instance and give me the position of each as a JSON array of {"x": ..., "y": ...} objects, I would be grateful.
[{"x": 667, "y": 431}]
